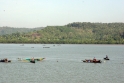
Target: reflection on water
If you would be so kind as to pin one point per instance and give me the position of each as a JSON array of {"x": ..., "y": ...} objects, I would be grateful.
[{"x": 62, "y": 64}]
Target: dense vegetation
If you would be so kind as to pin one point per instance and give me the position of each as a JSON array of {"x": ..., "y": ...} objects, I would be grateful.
[
  {"x": 73, "y": 33},
  {"x": 9, "y": 30}
]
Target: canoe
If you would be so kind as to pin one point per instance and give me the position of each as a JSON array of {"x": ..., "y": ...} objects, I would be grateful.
[
  {"x": 91, "y": 61},
  {"x": 29, "y": 60},
  {"x": 36, "y": 59},
  {"x": 106, "y": 58}
]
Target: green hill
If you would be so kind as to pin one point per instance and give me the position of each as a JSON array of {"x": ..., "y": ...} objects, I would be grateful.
[
  {"x": 10, "y": 30},
  {"x": 73, "y": 33}
]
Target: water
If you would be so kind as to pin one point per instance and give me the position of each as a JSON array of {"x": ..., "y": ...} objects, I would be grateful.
[{"x": 62, "y": 64}]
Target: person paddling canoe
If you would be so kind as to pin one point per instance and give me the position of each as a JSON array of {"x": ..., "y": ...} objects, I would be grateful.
[
  {"x": 106, "y": 56},
  {"x": 32, "y": 60}
]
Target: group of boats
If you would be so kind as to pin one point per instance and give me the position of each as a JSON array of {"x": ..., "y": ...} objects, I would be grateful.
[
  {"x": 31, "y": 60},
  {"x": 95, "y": 60}
]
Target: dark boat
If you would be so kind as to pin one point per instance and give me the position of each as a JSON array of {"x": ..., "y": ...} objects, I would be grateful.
[
  {"x": 91, "y": 61},
  {"x": 32, "y": 61},
  {"x": 106, "y": 58},
  {"x": 5, "y": 61}
]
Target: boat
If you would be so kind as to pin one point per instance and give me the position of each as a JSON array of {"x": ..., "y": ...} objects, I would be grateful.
[
  {"x": 29, "y": 59},
  {"x": 36, "y": 59},
  {"x": 91, "y": 61},
  {"x": 106, "y": 58},
  {"x": 32, "y": 61},
  {"x": 3, "y": 60}
]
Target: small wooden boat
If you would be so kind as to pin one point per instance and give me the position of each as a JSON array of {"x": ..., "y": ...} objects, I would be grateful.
[
  {"x": 106, "y": 58},
  {"x": 32, "y": 61},
  {"x": 5, "y": 61},
  {"x": 91, "y": 61}
]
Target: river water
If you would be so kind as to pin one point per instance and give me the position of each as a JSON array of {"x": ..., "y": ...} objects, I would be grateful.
[{"x": 62, "y": 63}]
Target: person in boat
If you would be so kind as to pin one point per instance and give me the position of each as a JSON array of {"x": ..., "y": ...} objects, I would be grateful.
[
  {"x": 94, "y": 59},
  {"x": 89, "y": 60},
  {"x": 86, "y": 60},
  {"x": 106, "y": 56},
  {"x": 32, "y": 59},
  {"x": 6, "y": 60}
]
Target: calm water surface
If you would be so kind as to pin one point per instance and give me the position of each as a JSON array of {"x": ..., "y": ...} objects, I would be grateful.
[{"x": 62, "y": 64}]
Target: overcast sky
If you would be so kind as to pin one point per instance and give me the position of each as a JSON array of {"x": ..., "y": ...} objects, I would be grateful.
[{"x": 41, "y": 13}]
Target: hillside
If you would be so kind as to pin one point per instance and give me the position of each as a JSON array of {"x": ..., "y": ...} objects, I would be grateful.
[
  {"x": 10, "y": 30},
  {"x": 73, "y": 33}
]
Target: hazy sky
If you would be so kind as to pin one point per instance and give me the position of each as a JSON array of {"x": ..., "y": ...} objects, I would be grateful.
[{"x": 41, "y": 13}]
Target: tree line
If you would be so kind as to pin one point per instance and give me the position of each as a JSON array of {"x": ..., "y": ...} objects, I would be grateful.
[{"x": 72, "y": 33}]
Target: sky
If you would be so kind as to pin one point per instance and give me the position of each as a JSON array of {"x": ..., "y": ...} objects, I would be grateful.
[{"x": 42, "y": 13}]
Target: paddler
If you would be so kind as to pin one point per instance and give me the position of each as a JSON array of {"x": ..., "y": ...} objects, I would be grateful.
[
  {"x": 94, "y": 59},
  {"x": 6, "y": 60},
  {"x": 106, "y": 56},
  {"x": 32, "y": 59}
]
